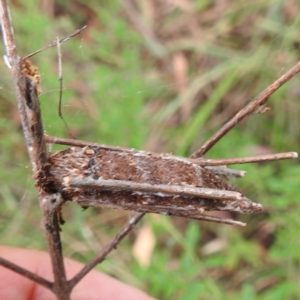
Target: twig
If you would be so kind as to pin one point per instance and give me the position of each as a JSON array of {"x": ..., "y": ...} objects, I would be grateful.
[
  {"x": 79, "y": 143},
  {"x": 252, "y": 107},
  {"x": 25, "y": 93},
  {"x": 222, "y": 170},
  {"x": 54, "y": 43},
  {"x": 104, "y": 252},
  {"x": 26, "y": 273},
  {"x": 60, "y": 78},
  {"x": 199, "y": 161},
  {"x": 179, "y": 190},
  {"x": 122, "y": 233},
  {"x": 29, "y": 111},
  {"x": 213, "y": 219},
  {"x": 245, "y": 160}
]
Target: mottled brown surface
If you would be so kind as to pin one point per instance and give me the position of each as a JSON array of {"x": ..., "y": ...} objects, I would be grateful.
[{"x": 140, "y": 167}]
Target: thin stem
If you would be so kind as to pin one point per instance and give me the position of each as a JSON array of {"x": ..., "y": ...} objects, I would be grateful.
[
  {"x": 104, "y": 252},
  {"x": 54, "y": 43},
  {"x": 26, "y": 273},
  {"x": 122, "y": 233},
  {"x": 213, "y": 219},
  {"x": 79, "y": 143},
  {"x": 252, "y": 107},
  {"x": 60, "y": 78},
  {"x": 245, "y": 160}
]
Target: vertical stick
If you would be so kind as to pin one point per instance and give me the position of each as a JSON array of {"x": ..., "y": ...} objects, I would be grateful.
[
  {"x": 29, "y": 110},
  {"x": 60, "y": 78}
]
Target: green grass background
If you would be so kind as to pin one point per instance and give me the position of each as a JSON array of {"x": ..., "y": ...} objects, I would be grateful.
[{"x": 121, "y": 88}]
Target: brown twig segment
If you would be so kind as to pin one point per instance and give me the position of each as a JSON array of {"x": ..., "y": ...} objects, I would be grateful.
[
  {"x": 79, "y": 143},
  {"x": 246, "y": 160},
  {"x": 223, "y": 170},
  {"x": 26, "y": 94},
  {"x": 252, "y": 107},
  {"x": 199, "y": 161},
  {"x": 54, "y": 43},
  {"x": 176, "y": 190},
  {"x": 29, "y": 110},
  {"x": 7, "y": 32},
  {"x": 60, "y": 79},
  {"x": 106, "y": 250},
  {"x": 36, "y": 278}
]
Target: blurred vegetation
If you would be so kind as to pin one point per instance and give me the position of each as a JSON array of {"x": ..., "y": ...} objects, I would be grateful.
[{"x": 164, "y": 76}]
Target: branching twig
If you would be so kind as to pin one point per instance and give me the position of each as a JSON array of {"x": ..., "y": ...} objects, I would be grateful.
[
  {"x": 54, "y": 43},
  {"x": 104, "y": 252},
  {"x": 26, "y": 273},
  {"x": 252, "y": 107},
  {"x": 29, "y": 111}
]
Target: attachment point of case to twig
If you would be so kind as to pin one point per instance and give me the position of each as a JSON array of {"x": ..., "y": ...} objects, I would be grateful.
[{"x": 52, "y": 202}]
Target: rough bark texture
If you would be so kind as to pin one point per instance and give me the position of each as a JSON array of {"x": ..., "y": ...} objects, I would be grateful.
[{"x": 137, "y": 168}]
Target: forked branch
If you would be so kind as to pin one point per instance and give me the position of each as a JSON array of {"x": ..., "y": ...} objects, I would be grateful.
[{"x": 106, "y": 250}]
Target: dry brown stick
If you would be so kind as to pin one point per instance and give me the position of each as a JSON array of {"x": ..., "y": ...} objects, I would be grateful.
[
  {"x": 60, "y": 78},
  {"x": 29, "y": 111},
  {"x": 214, "y": 219},
  {"x": 26, "y": 273},
  {"x": 245, "y": 160},
  {"x": 104, "y": 252},
  {"x": 118, "y": 238},
  {"x": 202, "y": 162},
  {"x": 260, "y": 100},
  {"x": 25, "y": 92},
  {"x": 223, "y": 170},
  {"x": 179, "y": 190},
  {"x": 54, "y": 43},
  {"x": 79, "y": 143}
]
